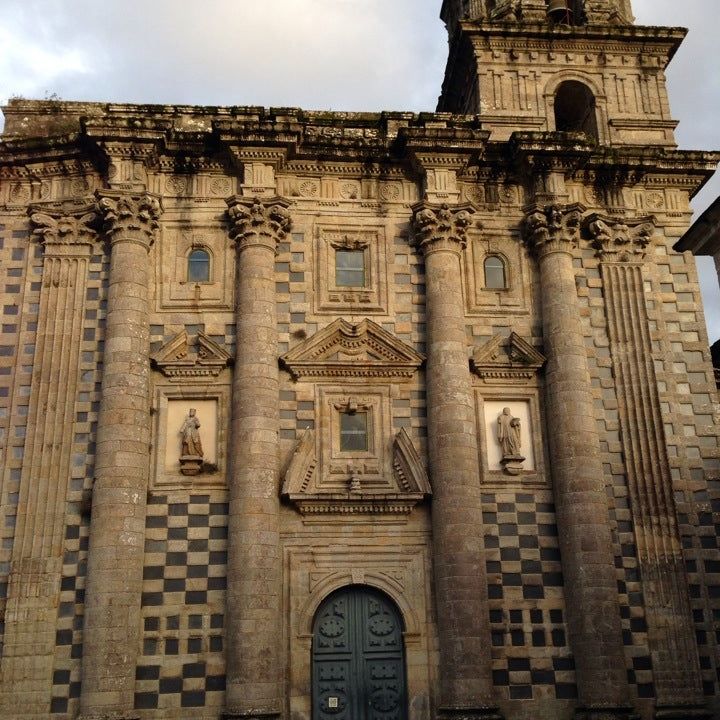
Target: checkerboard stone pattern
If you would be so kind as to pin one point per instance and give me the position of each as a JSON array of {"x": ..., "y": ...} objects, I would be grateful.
[
  {"x": 686, "y": 391},
  {"x": 181, "y": 668},
  {"x": 531, "y": 656}
]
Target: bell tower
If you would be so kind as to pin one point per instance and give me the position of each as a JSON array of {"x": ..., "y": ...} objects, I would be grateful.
[{"x": 569, "y": 65}]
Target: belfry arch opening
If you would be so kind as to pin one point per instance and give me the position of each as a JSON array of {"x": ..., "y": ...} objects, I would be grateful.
[{"x": 576, "y": 109}]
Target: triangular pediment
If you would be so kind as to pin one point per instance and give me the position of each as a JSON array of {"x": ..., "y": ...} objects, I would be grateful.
[
  {"x": 178, "y": 360},
  {"x": 507, "y": 357},
  {"x": 344, "y": 349}
]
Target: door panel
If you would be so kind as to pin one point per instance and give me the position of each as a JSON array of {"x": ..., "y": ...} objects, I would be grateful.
[{"x": 358, "y": 658}]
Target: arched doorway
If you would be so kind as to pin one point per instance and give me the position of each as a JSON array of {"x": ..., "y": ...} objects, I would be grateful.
[{"x": 358, "y": 657}]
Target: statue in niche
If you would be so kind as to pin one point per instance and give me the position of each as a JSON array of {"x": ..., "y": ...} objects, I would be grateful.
[
  {"x": 191, "y": 452},
  {"x": 510, "y": 438}
]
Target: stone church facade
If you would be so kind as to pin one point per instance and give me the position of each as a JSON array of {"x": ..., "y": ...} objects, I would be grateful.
[{"x": 349, "y": 416}]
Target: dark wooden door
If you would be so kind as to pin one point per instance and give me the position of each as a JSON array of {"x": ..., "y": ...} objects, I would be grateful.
[{"x": 358, "y": 663}]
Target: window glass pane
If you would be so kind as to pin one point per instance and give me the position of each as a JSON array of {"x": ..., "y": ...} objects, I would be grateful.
[
  {"x": 198, "y": 266},
  {"x": 353, "y": 431},
  {"x": 495, "y": 273},
  {"x": 350, "y": 268}
]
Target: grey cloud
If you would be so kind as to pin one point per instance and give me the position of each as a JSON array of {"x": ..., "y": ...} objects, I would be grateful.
[{"x": 319, "y": 54}]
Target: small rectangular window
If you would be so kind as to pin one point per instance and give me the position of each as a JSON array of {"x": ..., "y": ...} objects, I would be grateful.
[
  {"x": 353, "y": 432},
  {"x": 350, "y": 268}
]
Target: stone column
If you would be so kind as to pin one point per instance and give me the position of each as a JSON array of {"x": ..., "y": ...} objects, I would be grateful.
[
  {"x": 671, "y": 631},
  {"x": 117, "y": 530},
  {"x": 466, "y": 688},
  {"x": 67, "y": 235},
  {"x": 593, "y": 613},
  {"x": 255, "y": 686}
]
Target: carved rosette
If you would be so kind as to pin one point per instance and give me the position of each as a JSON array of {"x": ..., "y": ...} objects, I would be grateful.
[
  {"x": 552, "y": 228},
  {"x": 441, "y": 227},
  {"x": 130, "y": 218},
  {"x": 256, "y": 221},
  {"x": 64, "y": 227},
  {"x": 620, "y": 242}
]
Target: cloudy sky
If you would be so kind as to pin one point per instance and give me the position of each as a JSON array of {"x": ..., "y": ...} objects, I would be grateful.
[{"x": 315, "y": 54}]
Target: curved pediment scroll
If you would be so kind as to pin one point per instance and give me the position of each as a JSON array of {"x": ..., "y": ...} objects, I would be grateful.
[
  {"x": 363, "y": 350},
  {"x": 405, "y": 485}
]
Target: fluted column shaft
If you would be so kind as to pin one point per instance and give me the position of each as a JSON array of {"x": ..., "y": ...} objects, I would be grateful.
[
  {"x": 592, "y": 608},
  {"x": 117, "y": 530},
  {"x": 458, "y": 552},
  {"x": 671, "y": 633},
  {"x": 37, "y": 558},
  {"x": 254, "y": 675}
]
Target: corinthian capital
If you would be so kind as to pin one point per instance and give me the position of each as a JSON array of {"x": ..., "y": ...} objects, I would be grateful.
[
  {"x": 65, "y": 228},
  {"x": 620, "y": 241},
  {"x": 441, "y": 227},
  {"x": 130, "y": 218},
  {"x": 552, "y": 228},
  {"x": 256, "y": 221}
]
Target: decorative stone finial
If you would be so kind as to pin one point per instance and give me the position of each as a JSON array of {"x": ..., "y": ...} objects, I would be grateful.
[
  {"x": 441, "y": 227},
  {"x": 552, "y": 228},
  {"x": 620, "y": 241},
  {"x": 257, "y": 221},
  {"x": 131, "y": 218}
]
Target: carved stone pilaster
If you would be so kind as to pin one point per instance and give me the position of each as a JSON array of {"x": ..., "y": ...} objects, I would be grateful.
[
  {"x": 671, "y": 633},
  {"x": 617, "y": 241},
  {"x": 117, "y": 531},
  {"x": 441, "y": 227},
  {"x": 256, "y": 221},
  {"x": 552, "y": 228},
  {"x": 67, "y": 234}
]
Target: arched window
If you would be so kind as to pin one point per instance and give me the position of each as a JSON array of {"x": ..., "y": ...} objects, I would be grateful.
[
  {"x": 495, "y": 275},
  {"x": 198, "y": 266},
  {"x": 575, "y": 109},
  {"x": 566, "y": 12}
]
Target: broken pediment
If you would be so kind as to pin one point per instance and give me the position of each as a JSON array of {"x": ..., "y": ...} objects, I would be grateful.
[
  {"x": 404, "y": 487},
  {"x": 177, "y": 360},
  {"x": 343, "y": 349},
  {"x": 507, "y": 358}
]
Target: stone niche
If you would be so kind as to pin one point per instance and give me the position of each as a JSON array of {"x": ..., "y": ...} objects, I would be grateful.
[
  {"x": 507, "y": 374},
  {"x": 190, "y": 376}
]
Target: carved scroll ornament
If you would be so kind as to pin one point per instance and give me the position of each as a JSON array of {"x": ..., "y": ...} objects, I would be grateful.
[
  {"x": 258, "y": 222},
  {"x": 443, "y": 226},
  {"x": 553, "y": 228}
]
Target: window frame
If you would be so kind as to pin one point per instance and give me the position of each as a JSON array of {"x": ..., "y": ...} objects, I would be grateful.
[
  {"x": 362, "y": 252},
  {"x": 188, "y": 259},
  {"x": 505, "y": 274}
]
